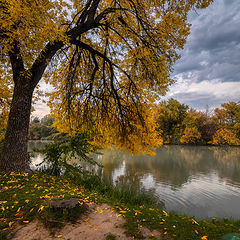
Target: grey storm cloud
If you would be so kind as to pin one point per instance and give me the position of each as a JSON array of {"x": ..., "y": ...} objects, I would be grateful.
[
  {"x": 203, "y": 100},
  {"x": 211, "y": 55}
]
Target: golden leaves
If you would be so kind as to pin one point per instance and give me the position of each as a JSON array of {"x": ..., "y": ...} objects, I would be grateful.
[
  {"x": 140, "y": 38},
  {"x": 32, "y": 24},
  {"x": 190, "y": 135},
  {"x": 225, "y": 136}
]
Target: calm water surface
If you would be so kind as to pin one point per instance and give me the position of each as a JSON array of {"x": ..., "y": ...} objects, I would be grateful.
[{"x": 199, "y": 181}]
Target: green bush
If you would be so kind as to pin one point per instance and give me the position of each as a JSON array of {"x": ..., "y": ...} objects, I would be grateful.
[{"x": 66, "y": 156}]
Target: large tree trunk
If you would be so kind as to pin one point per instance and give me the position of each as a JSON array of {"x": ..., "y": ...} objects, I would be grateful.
[{"x": 14, "y": 156}]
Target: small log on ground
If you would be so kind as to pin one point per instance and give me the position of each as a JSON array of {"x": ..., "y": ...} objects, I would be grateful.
[{"x": 68, "y": 209}]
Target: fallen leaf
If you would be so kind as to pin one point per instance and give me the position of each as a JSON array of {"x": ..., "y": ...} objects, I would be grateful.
[
  {"x": 10, "y": 224},
  {"x": 41, "y": 208}
]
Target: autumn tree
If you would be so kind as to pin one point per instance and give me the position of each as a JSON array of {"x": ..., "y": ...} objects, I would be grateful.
[
  {"x": 170, "y": 116},
  {"x": 227, "y": 119},
  {"x": 229, "y": 115},
  {"x": 108, "y": 62},
  {"x": 191, "y": 135},
  {"x": 224, "y": 136},
  {"x": 198, "y": 124}
]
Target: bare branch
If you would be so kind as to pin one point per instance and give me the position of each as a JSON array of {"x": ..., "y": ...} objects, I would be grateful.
[{"x": 103, "y": 14}]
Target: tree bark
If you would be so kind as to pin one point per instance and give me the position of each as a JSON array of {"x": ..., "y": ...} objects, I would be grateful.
[{"x": 14, "y": 156}]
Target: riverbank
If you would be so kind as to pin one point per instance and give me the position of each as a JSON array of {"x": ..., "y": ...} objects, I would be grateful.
[{"x": 25, "y": 199}]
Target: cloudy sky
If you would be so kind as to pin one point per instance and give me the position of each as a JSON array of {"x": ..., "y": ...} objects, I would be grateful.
[{"x": 208, "y": 72}]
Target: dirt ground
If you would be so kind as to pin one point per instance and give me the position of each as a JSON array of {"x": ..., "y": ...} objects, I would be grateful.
[{"x": 96, "y": 224}]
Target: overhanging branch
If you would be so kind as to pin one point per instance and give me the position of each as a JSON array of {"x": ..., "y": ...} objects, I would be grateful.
[{"x": 111, "y": 65}]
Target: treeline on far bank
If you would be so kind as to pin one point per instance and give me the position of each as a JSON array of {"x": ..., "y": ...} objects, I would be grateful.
[
  {"x": 176, "y": 123},
  {"x": 179, "y": 124},
  {"x": 43, "y": 129}
]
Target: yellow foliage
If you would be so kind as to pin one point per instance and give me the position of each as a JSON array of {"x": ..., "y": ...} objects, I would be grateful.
[
  {"x": 225, "y": 136},
  {"x": 191, "y": 135},
  {"x": 31, "y": 24},
  {"x": 135, "y": 137},
  {"x": 109, "y": 61}
]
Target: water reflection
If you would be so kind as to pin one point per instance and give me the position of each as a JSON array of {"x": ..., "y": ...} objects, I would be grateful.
[
  {"x": 199, "y": 181},
  {"x": 36, "y": 158}
]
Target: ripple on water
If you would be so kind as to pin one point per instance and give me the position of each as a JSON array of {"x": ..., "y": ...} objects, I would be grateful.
[{"x": 202, "y": 196}]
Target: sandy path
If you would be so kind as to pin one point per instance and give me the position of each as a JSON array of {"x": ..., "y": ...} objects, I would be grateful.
[{"x": 97, "y": 223}]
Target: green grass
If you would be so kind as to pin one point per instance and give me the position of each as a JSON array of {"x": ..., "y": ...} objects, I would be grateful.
[
  {"x": 110, "y": 236},
  {"x": 116, "y": 194},
  {"x": 26, "y": 196},
  {"x": 175, "y": 226}
]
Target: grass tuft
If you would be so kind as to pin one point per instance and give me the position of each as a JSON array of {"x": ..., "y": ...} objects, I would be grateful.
[{"x": 110, "y": 236}]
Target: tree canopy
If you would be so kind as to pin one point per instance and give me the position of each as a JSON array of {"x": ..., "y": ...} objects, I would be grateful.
[{"x": 108, "y": 62}]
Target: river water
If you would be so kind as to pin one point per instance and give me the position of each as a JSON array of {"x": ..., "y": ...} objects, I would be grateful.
[{"x": 199, "y": 181}]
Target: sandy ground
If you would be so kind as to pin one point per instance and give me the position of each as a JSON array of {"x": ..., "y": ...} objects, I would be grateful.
[{"x": 95, "y": 224}]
